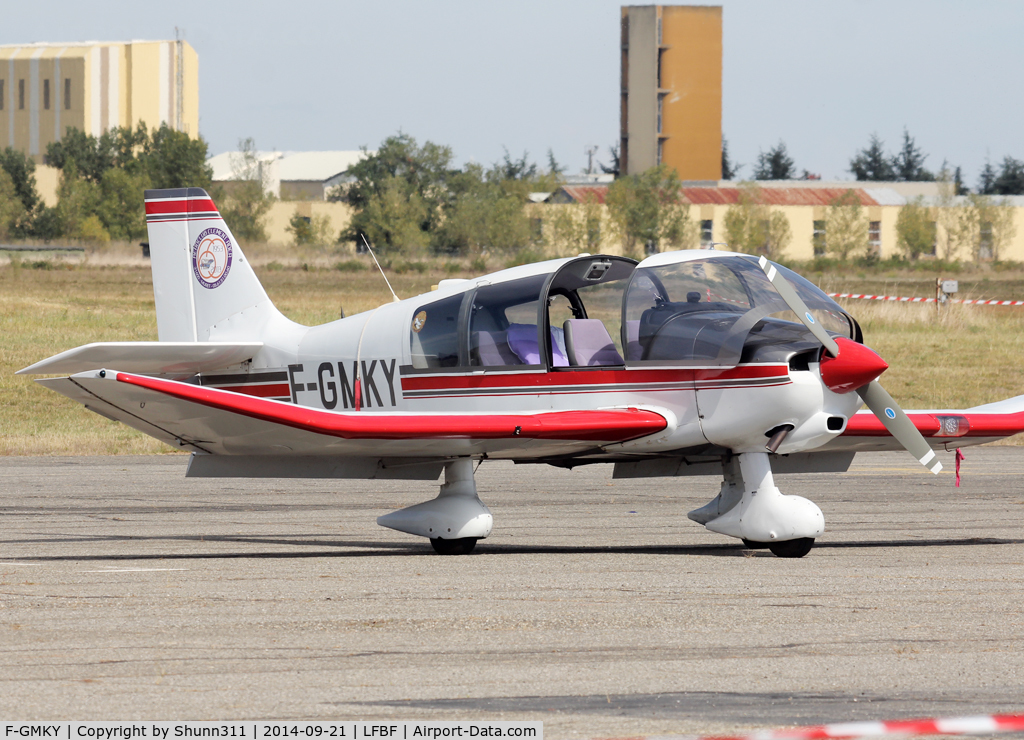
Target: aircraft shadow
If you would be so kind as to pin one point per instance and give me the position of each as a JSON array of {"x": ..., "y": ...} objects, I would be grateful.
[{"x": 361, "y": 549}]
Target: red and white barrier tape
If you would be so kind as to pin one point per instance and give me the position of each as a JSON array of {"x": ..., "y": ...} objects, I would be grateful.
[
  {"x": 981, "y": 725},
  {"x": 904, "y": 299}
]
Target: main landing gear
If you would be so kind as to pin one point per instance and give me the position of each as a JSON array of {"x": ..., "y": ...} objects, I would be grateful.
[
  {"x": 453, "y": 521},
  {"x": 752, "y": 509}
]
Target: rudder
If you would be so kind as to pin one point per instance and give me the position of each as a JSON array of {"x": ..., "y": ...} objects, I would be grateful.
[{"x": 201, "y": 279}]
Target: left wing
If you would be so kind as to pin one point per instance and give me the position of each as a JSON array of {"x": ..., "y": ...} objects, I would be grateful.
[{"x": 226, "y": 423}]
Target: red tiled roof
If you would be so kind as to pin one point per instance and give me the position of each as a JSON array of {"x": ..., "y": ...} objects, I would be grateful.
[
  {"x": 581, "y": 193},
  {"x": 775, "y": 196},
  {"x": 729, "y": 196}
]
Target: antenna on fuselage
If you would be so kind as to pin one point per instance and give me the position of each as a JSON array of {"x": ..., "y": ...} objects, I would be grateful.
[{"x": 379, "y": 268}]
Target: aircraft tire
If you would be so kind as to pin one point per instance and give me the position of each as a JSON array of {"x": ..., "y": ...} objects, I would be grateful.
[
  {"x": 792, "y": 548},
  {"x": 461, "y": 546}
]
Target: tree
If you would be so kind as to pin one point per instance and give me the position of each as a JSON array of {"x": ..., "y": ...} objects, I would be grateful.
[
  {"x": 123, "y": 162},
  {"x": 915, "y": 229},
  {"x": 908, "y": 164},
  {"x": 751, "y": 226},
  {"x": 648, "y": 209},
  {"x": 173, "y": 159},
  {"x": 775, "y": 164},
  {"x": 12, "y": 210},
  {"x": 424, "y": 170},
  {"x": 952, "y": 239},
  {"x": 117, "y": 147},
  {"x": 613, "y": 156},
  {"x": 576, "y": 227},
  {"x": 846, "y": 227},
  {"x": 245, "y": 207},
  {"x": 554, "y": 168},
  {"x": 170, "y": 158},
  {"x": 871, "y": 163},
  {"x": 988, "y": 225},
  {"x": 122, "y": 205},
  {"x": 21, "y": 169},
  {"x": 310, "y": 230},
  {"x": 987, "y": 179},
  {"x": 516, "y": 169},
  {"x": 1010, "y": 180},
  {"x": 91, "y": 161},
  {"x": 958, "y": 183},
  {"x": 393, "y": 218},
  {"x": 77, "y": 200},
  {"x": 729, "y": 170},
  {"x": 485, "y": 211}
]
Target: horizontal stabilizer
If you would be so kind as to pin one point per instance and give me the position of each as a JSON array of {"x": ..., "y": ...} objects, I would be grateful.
[{"x": 149, "y": 358}]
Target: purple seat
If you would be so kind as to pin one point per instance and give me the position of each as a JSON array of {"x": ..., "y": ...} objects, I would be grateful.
[
  {"x": 588, "y": 343},
  {"x": 522, "y": 338},
  {"x": 492, "y": 349}
]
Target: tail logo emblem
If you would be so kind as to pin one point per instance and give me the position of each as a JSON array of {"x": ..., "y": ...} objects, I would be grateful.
[{"x": 211, "y": 257}]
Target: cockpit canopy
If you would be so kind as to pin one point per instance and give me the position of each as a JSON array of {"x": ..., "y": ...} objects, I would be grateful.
[
  {"x": 683, "y": 308},
  {"x": 720, "y": 310}
]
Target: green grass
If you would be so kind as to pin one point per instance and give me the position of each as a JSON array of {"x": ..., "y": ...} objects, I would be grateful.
[{"x": 961, "y": 357}]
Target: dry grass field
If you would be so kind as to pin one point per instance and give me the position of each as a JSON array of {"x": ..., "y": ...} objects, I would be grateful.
[{"x": 959, "y": 357}]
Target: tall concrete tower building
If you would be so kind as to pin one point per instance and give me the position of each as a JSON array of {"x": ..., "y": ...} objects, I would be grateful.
[
  {"x": 93, "y": 86},
  {"x": 672, "y": 90}
]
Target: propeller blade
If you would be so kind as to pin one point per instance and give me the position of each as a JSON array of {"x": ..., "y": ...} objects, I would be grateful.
[
  {"x": 899, "y": 425},
  {"x": 873, "y": 394},
  {"x": 789, "y": 295}
]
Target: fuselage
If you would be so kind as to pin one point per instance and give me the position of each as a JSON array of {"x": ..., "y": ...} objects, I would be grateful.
[{"x": 697, "y": 334}]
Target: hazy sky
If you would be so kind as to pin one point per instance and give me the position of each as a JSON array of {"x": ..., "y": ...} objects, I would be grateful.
[{"x": 822, "y": 76}]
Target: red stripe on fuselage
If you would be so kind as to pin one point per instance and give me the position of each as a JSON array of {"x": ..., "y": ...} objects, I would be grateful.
[
  {"x": 275, "y": 390},
  {"x": 593, "y": 377}
]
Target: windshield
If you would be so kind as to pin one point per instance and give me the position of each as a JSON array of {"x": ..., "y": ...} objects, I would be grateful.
[{"x": 707, "y": 311}]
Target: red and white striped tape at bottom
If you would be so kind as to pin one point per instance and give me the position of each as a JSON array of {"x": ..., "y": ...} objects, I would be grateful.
[
  {"x": 981, "y": 725},
  {"x": 905, "y": 299}
]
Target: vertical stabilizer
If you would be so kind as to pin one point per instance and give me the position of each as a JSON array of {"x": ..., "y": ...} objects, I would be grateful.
[{"x": 200, "y": 276}]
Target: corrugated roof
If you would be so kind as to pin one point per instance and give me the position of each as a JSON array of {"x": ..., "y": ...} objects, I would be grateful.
[
  {"x": 777, "y": 196},
  {"x": 582, "y": 193},
  {"x": 293, "y": 166},
  {"x": 770, "y": 196},
  {"x": 886, "y": 196},
  {"x": 318, "y": 166}
]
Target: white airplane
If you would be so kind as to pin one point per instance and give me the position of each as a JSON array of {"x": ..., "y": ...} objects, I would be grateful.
[{"x": 694, "y": 362}]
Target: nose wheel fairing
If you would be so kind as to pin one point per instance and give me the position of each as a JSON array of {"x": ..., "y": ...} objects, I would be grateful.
[{"x": 750, "y": 507}]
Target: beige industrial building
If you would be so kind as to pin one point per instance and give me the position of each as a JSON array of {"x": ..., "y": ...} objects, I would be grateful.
[
  {"x": 46, "y": 88},
  {"x": 287, "y": 175},
  {"x": 805, "y": 205},
  {"x": 671, "y": 107}
]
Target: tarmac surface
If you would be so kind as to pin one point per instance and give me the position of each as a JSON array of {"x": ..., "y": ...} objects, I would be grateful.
[{"x": 130, "y": 592}]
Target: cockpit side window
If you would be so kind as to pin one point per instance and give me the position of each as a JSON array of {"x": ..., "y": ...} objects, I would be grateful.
[
  {"x": 503, "y": 324},
  {"x": 434, "y": 334}
]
